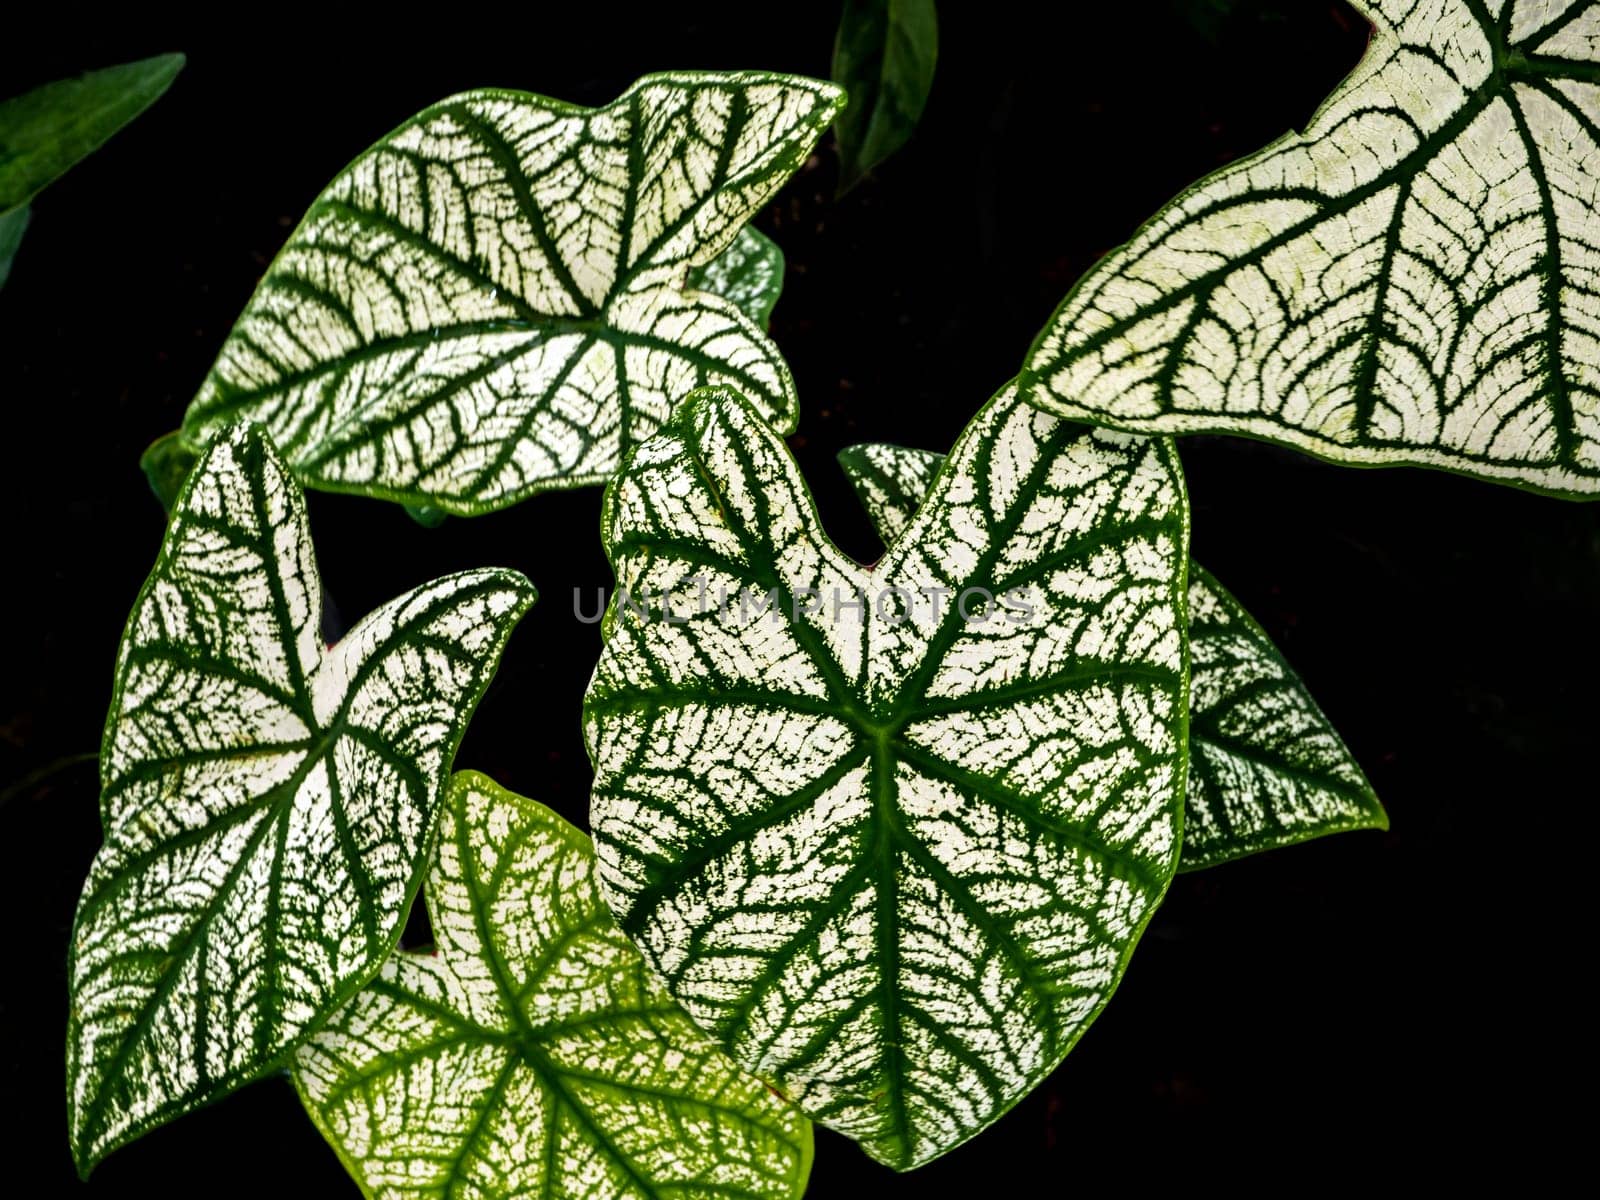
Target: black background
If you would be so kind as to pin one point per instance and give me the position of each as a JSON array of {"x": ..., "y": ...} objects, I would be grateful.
[{"x": 1389, "y": 1005}]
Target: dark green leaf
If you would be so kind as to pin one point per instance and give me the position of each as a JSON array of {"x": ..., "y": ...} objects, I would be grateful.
[
  {"x": 12, "y": 226},
  {"x": 166, "y": 463},
  {"x": 884, "y": 57},
  {"x": 45, "y": 131}
]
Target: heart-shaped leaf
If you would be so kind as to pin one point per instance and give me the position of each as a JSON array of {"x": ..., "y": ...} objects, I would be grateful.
[
  {"x": 890, "y": 835},
  {"x": 267, "y": 800},
  {"x": 1411, "y": 281},
  {"x": 532, "y": 1053},
  {"x": 884, "y": 55},
  {"x": 491, "y": 301},
  {"x": 1266, "y": 768},
  {"x": 45, "y": 132}
]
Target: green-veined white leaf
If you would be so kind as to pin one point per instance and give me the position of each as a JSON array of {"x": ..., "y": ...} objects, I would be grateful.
[
  {"x": 748, "y": 273},
  {"x": 532, "y": 1053},
  {"x": 884, "y": 55},
  {"x": 1266, "y": 768},
  {"x": 12, "y": 226},
  {"x": 894, "y": 857},
  {"x": 492, "y": 300},
  {"x": 891, "y": 482},
  {"x": 267, "y": 800},
  {"x": 43, "y": 133},
  {"x": 1415, "y": 280}
]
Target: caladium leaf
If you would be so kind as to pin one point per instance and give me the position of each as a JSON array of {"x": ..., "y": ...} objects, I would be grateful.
[
  {"x": 890, "y": 843},
  {"x": 532, "y": 1053},
  {"x": 267, "y": 800},
  {"x": 1411, "y": 281},
  {"x": 1266, "y": 768},
  {"x": 884, "y": 55},
  {"x": 12, "y": 226},
  {"x": 891, "y": 482},
  {"x": 492, "y": 300},
  {"x": 45, "y": 132},
  {"x": 748, "y": 273}
]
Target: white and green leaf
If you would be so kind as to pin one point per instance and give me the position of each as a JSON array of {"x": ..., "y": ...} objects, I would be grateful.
[
  {"x": 1413, "y": 280},
  {"x": 267, "y": 800},
  {"x": 46, "y": 132},
  {"x": 884, "y": 55},
  {"x": 494, "y": 300},
  {"x": 1266, "y": 768},
  {"x": 748, "y": 274},
  {"x": 531, "y": 1053},
  {"x": 894, "y": 859}
]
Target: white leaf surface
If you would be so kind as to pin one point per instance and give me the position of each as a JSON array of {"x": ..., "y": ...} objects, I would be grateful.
[{"x": 1413, "y": 280}]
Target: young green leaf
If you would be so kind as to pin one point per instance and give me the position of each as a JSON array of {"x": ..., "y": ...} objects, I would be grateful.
[
  {"x": 748, "y": 273},
  {"x": 267, "y": 801},
  {"x": 1412, "y": 281},
  {"x": 166, "y": 463},
  {"x": 1266, "y": 768},
  {"x": 884, "y": 56},
  {"x": 532, "y": 1053},
  {"x": 491, "y": 301},
  {"x": 889, "y": 841},
  {"x": 45, "y": 132},
  {"x": 12, "y": 226}
]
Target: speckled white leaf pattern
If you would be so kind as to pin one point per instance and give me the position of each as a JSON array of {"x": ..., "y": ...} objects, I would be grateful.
[
  {"x": 748, "y": 273},
  {"x": 1414, "y": 280},
  {"x": 532, "y": 1054},
  {"x": 892, "y": 859},
  {"x": 1266, "y": 768},
  {"x": 891, "y": 482},
  {"x": 491, "y": 301},
  {"x": 267, "y": 800}
]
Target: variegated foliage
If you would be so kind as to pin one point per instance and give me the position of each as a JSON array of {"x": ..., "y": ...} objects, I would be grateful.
[
  {"x": 890, "y": 843},
  {"x": 1266, "y": 768},
  {"x": 531, "y": 1053},
  {"x": 496, "y": 298},
  {"x": 1414, "y": 280},
  {"x": 267, "y": 800}
]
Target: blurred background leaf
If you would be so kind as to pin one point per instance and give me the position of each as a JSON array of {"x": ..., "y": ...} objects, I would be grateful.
[{"x": 884, "y": 56}]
